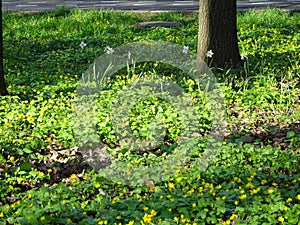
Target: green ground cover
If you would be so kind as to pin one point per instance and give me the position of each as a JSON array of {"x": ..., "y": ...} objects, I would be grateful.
[{"x": 254, "y": 177}]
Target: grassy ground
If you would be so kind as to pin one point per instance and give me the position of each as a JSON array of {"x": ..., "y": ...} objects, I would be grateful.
[{"x": 254, "y": 177}]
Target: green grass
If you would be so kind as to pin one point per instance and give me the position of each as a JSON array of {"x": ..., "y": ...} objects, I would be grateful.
[{"x": 254, "y": 178}]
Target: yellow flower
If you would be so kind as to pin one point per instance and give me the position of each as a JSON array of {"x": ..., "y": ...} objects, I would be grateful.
[
  {"x": 236, "y": 202},
  {"x": 243, "y": 197},
  {"x": 298, "y": 197},
  {"x": 19, "y": 180},
  {"x": 1, "y": 215},
  {"x": 69, "y": 221},
  {"x": 194, "y": 205},
  {"x": 147, "y": 218},
  {"x": 233, "y": 216},
  {"x": 97, "y": 185},
  {"x": 280, "y": 219},
  {"x": 146, "y": 208},
  {"x": 289, "y": 200},
  {"x": 118, "y": 217},
  {"x": 176, "y": 219},
  {"x": 12, "y": 158},
  {"x": 249, "y": 185},
  {"x": 41, "y": 174},
  {"x": 30, "y": 120},
  {"x": 130, "y": 222},
  {"x": 263, "y": 182},
  {"x": 191, "y": 191},
  {"x": 42, "y": 218},
  {"x": 270, "y": 191},
  {"x": 73, "y": 176},
  {"x": 239, "y": 101},
  {"x": 178, "y": 179},
  {"x": 153, "y": 213},
  {"x": 171, "y": 186}
]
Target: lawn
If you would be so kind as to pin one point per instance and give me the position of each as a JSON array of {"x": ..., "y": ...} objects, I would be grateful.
[{"x": 253, "y": 176}]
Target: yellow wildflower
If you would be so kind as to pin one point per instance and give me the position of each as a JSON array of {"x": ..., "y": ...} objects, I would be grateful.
[
  {"x": 11, "y": 158},
  {"x": 233, "y": 216},
  {"x": 280, "y": 219},
  {"x": 171, "y": 186},
  {"x": 73, "y": 176},
  {"x": 243, "y": 197},
  {"x": 263, "y": 182},
  {"x": 30, "y": 119},
  {"x": 147, "y": 218}
]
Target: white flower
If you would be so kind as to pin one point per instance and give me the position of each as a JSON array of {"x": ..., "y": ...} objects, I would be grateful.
[
  {"x": 244, "y": 56},
  {"x": 209, "y": 54},
  {"x": 82, "y": 45},
  {"x": 185, "y": 49},
  {"x": 108, "y": 50}
]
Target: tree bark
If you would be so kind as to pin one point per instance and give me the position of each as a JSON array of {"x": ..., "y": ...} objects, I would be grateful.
[
  {"x": 218, "y": 32},
  {"x": 3, "y": 90}
]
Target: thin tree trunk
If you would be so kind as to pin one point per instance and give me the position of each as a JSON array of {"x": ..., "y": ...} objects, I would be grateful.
[
  {"x": 218, "y": 32},
  {"x": 3, "y": 90}
]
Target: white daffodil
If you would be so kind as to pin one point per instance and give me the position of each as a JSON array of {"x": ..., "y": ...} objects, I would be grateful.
[
  {"x": 82, "y": 45},
  {"x": 108, "y": 50},
  {"x": 185, "y": 49},
  {"x": 129, "y": 54},
  {"x": 244, "y": 56},
  {"x": 209, "y": 54}
]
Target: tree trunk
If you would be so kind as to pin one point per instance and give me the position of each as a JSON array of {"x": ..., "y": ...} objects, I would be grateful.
[
  {"x": 3, "y": 90},
  {"x": 218, "y": 32}
]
